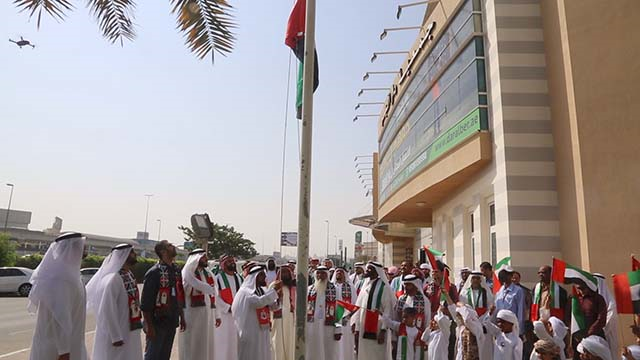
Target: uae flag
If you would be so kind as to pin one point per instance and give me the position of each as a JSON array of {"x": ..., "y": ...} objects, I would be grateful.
[
  {"x": 496, "y": 281},
  {"x": 635, "y": 264},
  {"x": 568, "y": 274},
  {"x": 294, "y": 39},
  {"x": 627, "y": 289},
  {"x": 344, "y": 309},
  {"x": 433, "y": 255}
]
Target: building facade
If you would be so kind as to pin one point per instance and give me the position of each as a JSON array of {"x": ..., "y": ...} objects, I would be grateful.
[{"x": 511, "y": 131}]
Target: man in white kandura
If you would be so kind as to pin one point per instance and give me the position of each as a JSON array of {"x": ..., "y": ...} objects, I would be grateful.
[
  {"x": 113, "y": 297},
  {"x": 272, "y": 270},
  {"x": 357, "y": 278},
  {"x": 283, "y": 336},
  {"x": 375, "y": 298},
  {"x": 611, "y": 327},
  {"x": 322, "y": 333},
  {"x": 345, "y": 291},
  {"x": 58, "y": 298},
  {"x": 197, "y": 341},
  {"x": 226, "y": 336},
  {"x": 251, "y": 312}
]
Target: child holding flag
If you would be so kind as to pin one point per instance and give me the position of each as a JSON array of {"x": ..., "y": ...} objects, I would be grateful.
[{"x": 409, "y": 336}]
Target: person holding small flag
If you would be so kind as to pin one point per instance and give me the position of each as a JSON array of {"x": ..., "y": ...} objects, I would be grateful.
[
  {"x": 413, "y": 297},
  {"x": 226, "y": 336},
  {"x": 437, "y": 336},
  {"x": 376, "y": 298},
  {"x": 548, "y": 297},
  {"x": 507, "y": 345},
  {"x": 409, "y": 336},
  {"x": 345, "y": 294},
  {"x": 589, "y": 313},
  {"x": 322, "y": 332}
]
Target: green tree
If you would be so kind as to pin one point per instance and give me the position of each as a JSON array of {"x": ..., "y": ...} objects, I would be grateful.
[
  {"x": 29, "y": 261},
  {"x": 206, "y": 24},
  {"x": 226, "y": 240},
  {"x": 7, "y": 251}
]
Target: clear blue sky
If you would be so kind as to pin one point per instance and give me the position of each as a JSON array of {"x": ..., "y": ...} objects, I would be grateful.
[{"x": 88, "y": 128}]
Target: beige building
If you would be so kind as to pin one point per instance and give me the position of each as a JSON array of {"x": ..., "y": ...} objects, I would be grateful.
[{"x": 511, "y": 130}]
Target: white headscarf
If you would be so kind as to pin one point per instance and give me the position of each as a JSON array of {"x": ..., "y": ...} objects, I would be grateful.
[
  {"x": 595, "y": 345},
  {"x": 483, "y": 283},
  {"x": 334, "y": 278},
  {"x": 634, "y": 350},
  {"x": 559, "y": 328},
  {"x": 111, "y": 265},
  {"x": 248, "y": 286},
  {"x": 58, "y": 271},
  {"x": 189, "y": 277},
  {"x": 508, "y": 315},
  {"x": 380, "y": 270},
  {"x": 416, "y": 281}
]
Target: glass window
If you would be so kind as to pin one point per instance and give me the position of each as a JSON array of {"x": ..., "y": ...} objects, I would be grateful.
[
  {"x": 494, "y": 250},
  {"x": 14, "y": 272},
  {"x": 492, "y": 214},
  {"x": 4, "y": 272},
  {"x": 472, "y": 225}
]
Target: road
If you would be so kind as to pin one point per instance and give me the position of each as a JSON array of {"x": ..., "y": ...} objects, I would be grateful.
[{"x": 17, "y": 326}]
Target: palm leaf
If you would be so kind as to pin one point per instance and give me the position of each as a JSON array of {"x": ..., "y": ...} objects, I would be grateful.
[
  {"x": 114, "y": 18},
  {"x": 206, "y": 24},
  {"x": 55, "y": 8}
]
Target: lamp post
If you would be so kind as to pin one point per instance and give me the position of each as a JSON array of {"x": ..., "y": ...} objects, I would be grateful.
[
  {"x": 146, "y": 218},
  {"x": 159, "y": 228},
  {"x": 361, "y": 91},
  {"x": 400, "y": 7},
  {"x": 6, "y": 218},
  {"x": 387, "y": 30},
  {"x": 327, "y": 221},
  {"x": 355, "y": 118},
  {"x": 366, "y": 75},
  {"x": 375, "y": 54},
  {"x": 368, "y": 103}
]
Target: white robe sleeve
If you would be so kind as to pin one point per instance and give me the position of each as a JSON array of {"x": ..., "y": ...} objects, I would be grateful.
[
  {"x": 269, "y": 297},
  {"x": 492, "y": 328},
  {"x": 444, "y": 324},
  {"x": 108, "y": 312}
]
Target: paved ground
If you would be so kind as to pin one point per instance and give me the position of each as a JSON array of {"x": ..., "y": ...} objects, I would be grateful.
[{"x": 17, "y": 325}]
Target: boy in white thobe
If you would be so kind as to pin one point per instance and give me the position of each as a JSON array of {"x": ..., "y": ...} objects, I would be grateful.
[
  {"x": 506, "y": 344},
  {"x": 112, "y": 295},
  {"x": 437, "y": 339},
  {"x": 408, "y": 335}
]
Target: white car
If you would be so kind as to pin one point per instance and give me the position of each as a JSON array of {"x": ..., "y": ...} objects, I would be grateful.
[
  {"x": 15, "y": 280},
  {"x": 87, "y": 273}
]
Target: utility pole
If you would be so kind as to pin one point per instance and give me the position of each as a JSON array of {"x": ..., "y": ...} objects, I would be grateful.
[
  {"x": 305, "y": 178},
  {"x": 6, "y": 218},
  {"x": 146, "y": 218}
]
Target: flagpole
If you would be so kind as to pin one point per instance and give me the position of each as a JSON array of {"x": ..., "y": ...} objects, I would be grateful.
[{"x": 305, "y": 178}]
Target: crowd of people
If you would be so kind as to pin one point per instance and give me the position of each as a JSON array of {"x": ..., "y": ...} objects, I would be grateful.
[{"x": 369, "y": 312}]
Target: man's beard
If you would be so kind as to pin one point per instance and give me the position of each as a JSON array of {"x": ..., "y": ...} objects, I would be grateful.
[
  {"x": 131, "y": 261},
  {"x": 288, "y": 282},
  {"x": 231, "y": 267},
  {"x": 321, "y": 285},
  {"x": 261, "y": 283},
  {"x": 271, "y": 266}
]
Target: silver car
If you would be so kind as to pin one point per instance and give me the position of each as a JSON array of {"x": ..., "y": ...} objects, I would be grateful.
[
  {"x": 15, "y": 280},
  {"x": 87, "y": 273}
]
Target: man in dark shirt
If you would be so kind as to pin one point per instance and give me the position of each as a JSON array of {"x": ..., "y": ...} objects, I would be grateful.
[
  {"x": 594, "y": 308},
  {"x": 162, "y": 303}
]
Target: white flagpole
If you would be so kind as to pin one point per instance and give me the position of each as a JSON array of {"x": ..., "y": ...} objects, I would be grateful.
[{"x": 305, "y": 179}]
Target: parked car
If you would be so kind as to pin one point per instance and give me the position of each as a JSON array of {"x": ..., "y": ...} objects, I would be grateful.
[
  {"x": 87, "y": 273},
  {"x": 15, "y": 280}
]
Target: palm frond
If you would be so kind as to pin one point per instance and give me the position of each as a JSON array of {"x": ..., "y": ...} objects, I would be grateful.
[
  {"x": 55, "y": 8},
  {"x": 115, "y": 18},
  {"x": 206, "y": 24}
]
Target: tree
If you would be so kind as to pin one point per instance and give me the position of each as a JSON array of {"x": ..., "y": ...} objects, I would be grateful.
[
  {"x": 226, "y": 240},
  {"x": 7, "y": 251},
  {"x": 206, "y": 24}
]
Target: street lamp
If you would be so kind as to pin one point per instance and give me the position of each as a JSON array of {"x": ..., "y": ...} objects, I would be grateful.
[
  {"x": 375, "y": 54},
  {"x": 146, "y": 218},
  {"x": 159, "y": 228},
  {"x": 385, "y": 31},
  {"x": 6, "y": 218},
  {"x": 327, "y": 221},
  {"x": 364, "y": 163},
  {"x": 361, "y": 91},
  {"x": 365, "y": 115},
  {"x": 368, "y": 103},
  {"x": 366, "y": 75},
  {"x": 361, "y": 156},
  {"x": 400, "y": 7}
]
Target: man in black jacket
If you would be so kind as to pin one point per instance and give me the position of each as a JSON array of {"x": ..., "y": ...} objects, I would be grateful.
[{"x": 162, "y": 303}]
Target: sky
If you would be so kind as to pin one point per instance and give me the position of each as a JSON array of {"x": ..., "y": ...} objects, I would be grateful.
[{"x": 88, "y": 128}]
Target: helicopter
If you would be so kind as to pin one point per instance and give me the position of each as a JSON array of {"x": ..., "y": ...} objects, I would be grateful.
[{"x": 22, "y": 42}]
